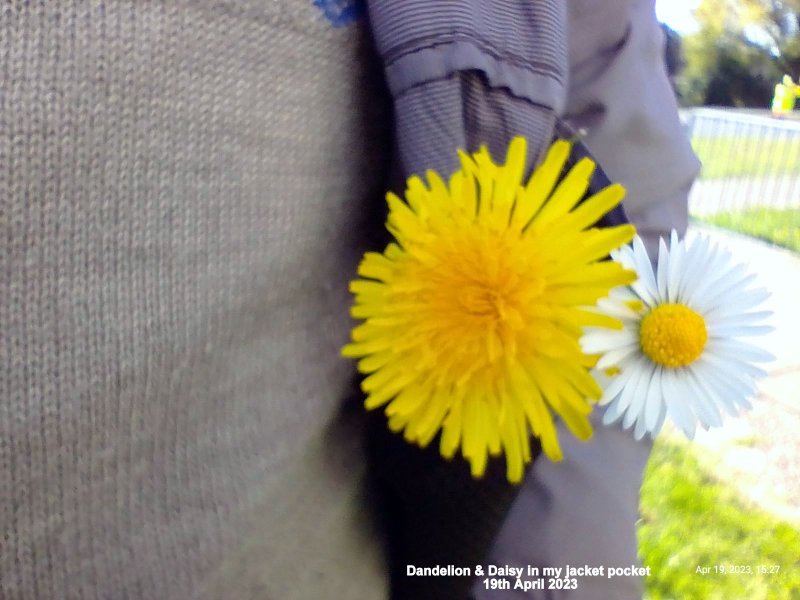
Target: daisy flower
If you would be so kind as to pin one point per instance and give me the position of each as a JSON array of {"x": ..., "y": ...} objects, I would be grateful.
[
  {"x": 680, "y": 352},
  {"x": 472, "y": 318}
]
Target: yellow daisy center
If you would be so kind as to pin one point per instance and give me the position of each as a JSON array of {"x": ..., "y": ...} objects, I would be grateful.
[{"x": 673, "y": 335}]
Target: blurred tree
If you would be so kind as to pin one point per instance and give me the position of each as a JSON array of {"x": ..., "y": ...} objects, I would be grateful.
[
  {"x": 779, "y": 22},
  {"x": 743, "y": 47}
]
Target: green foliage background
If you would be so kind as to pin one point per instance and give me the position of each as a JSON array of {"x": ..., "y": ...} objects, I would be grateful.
[
  {"x": 779, "y": 226},
  {"x": 747, "y": 156},
  {"x": 743, "y": 48}
]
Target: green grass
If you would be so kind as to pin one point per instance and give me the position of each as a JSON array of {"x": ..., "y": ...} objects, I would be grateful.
[
  {"x": 728, "y": 156},
  {"x": 690, "y": 519},
  {"x": 779, "y": 226}
]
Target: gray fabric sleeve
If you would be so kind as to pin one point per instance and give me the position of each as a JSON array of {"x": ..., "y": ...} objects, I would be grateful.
[
  {"x": 462, "y": 110},
  {"x": 466, "y": 73},
  {"x": 517, "y": 44},
  {"x": 619, "y": 91}
]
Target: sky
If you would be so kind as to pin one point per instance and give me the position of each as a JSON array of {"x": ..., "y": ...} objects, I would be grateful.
[{"x": 677, "y": 14}]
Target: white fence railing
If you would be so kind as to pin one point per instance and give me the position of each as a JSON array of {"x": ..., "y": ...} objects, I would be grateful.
[{"x": 750, "y": 160}]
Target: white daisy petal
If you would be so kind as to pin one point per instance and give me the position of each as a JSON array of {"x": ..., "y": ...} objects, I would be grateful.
[
  {"x": 623, "y": 293},
  {"x": 695, "y": 268},
  {"x": 640, "y": 429},
  {"x": 662, "y": 415},
  {"x": 738, "y": 350},
  {"x": 675, "y": 267},
  {"x": 735, "y": 381},
  {"x": 738, "y": 301},
  {"x": 624, "y": 256},
  {"x": 605, "y": 340},
  {"x": 616, "y": 307},
  {"x": 736, "y": 305},
  {"x": 703, "y": 400},
  {"x": 729, "y": 330},
  {"x": 614, "y": 357},
  {"x": 661, "y": 269},
  {"x": 735, "y": 370},
  {"x": 677, "y": 404},
  {"x": 743, "y": 402},
  {"x": 641, "y": 293},
  {"x": 637, "y": 373},
  {"x": 721, "y": 276},
  {"x": 645, "y": 286},
  {"x": 697, "y": 359},
  {"x": 636, "y": 408},
  {"x": 708, "y": 393},
  {"x": 653, "y": 403},
  {"x": 644, "y": 268},
  {"x": 727, "y": 287},
  {"x": 613, "y": 413},
  {"x": 745, "y": 318},
  {"x": 614, "y": 387},
  {"x": 725, "y": 314}
]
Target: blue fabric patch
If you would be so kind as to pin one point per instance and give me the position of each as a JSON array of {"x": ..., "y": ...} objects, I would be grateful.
[{"x": 341, "y": 12}]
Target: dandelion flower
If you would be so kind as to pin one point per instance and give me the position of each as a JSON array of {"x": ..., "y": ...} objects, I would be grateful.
[
  {"x": 472, "y": 318},
  {"x": 680, "y": 353}
]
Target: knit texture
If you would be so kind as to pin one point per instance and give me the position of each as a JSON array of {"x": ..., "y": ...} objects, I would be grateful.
[{"x": 183, "y": 192}]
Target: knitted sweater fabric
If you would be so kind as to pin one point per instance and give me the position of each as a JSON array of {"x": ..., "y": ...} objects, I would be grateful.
[{"x": 183, "y": 188}]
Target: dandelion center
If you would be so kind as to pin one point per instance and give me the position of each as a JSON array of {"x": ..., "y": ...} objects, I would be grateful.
[
  {"x": 673, "y": 335},
  {"x": 477, "y": 299},
  {"x": 472, "y": 318},
  {"x": 487, "y": 305}
]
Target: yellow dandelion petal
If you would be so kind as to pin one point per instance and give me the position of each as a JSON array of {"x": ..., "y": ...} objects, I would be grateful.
[
  {"x": 416, "y": 194},
  {"x": 577, "y": 423},
  {"x": 513, "y": 450},
  {"x": 438, "y": 191},
  {"x": 509, "y": 177},
  {"x": 588, "y": 318},
  {"x": 451, "y": 431},
  {"x": 373, "y": 362},
  {"x": 393, "y": 252},
  {"x": 472, "y": 317},
  {"x": 581, "y": 380},
  {"x": 597, "y": 240},
  {"x": 542, "y": 181},
  {"x": 476, "y": 438},
  {"x": 590, "y": 212},
  {"x": 568, "y": 193},
  {"x": 429, "y": 421},
  {"x": 376, "y": 266},
  {"x": 456, "y": 188},
  {"x": 595, "y": 273},
  {"x": 406, "y": 402},
  {"x": 491, "y": 418},
  {"x": 357, "y": 350}
]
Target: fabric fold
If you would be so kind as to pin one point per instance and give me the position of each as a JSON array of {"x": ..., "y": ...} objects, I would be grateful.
[{"x": 517, "y": 45}]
